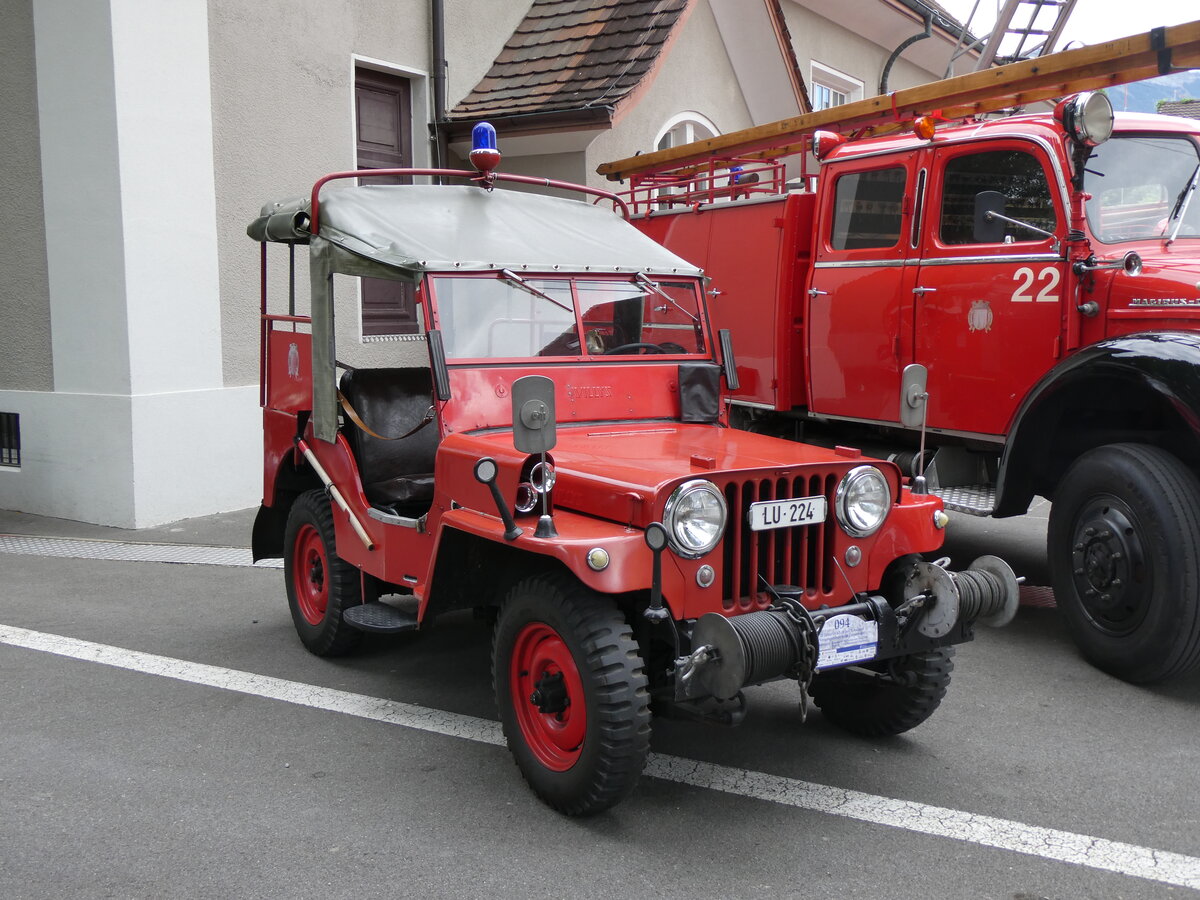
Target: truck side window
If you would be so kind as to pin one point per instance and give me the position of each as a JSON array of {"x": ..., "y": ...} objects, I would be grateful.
[
  {"x": 1014, "y": 173},
  {"x": 867, "y": 209}
]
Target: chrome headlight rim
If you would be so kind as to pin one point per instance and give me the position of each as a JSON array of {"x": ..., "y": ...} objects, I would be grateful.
[
  {"x": 842, "y": 499},
  {"x": 1088, "y": 118},
  {"x": 671, "y": 509}
]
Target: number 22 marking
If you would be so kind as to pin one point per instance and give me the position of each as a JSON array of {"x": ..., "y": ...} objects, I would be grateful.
[{"x": 1026, "y": 276}]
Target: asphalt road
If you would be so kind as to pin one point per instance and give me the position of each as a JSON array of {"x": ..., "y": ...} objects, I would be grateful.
[{"x": 267, "y": 772}]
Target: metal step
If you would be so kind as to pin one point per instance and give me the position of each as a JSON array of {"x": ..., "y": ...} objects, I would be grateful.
[
  {"x": 380, "y": 618},
  {"x": 972, "y": 499}
]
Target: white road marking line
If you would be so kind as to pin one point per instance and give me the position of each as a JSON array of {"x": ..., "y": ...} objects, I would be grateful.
[{"x": 988, "y": 831}]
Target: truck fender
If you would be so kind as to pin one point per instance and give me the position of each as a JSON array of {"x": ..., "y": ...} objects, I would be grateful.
[{"x": 1141, "y": 387}]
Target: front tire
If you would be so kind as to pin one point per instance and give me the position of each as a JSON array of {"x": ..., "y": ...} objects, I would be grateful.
[
  {"x": 889, "y": 698},
  {"x": 572, "y": 694},
  {"x": 1124, "y": 549},
  {"x": 320, "y": 585}
]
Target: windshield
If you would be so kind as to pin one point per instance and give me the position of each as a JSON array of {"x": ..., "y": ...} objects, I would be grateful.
[
  {"x": 510, "y": 316},
  {"x": 1138, "y": 186}
]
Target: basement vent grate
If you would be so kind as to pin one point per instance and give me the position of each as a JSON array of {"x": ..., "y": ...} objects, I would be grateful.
[
  {"x": 10, "y": 439},
  {"x": 118, "y": 550}
]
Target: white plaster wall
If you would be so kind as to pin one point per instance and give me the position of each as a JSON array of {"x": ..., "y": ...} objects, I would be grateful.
[
  {"x": 827, "y": 41},
  {"x": 134, "y": 433},
  {"x": 282, "y": 82},
  {"x": 695, "y": 75}
]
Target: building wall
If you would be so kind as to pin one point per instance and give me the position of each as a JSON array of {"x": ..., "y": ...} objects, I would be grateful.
[
  {"x": 823, "y": 40},
  {"x": 681, "y": 85},
  {"x": 282, "y": 116},
  {"x": 26, "y": 355}
]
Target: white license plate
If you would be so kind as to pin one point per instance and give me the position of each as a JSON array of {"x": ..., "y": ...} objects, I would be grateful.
[
  {"x": 845, "y": 640},
  {"x": 769, "y": 514}
]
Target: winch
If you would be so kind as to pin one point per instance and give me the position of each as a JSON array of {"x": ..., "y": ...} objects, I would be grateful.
[{"x": 788, "y": 640}]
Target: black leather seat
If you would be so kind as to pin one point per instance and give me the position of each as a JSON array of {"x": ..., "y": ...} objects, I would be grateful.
[{"x": 396, "y": 474}]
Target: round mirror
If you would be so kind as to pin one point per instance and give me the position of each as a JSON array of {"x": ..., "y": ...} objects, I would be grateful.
[{"x": 485, "y": 470}]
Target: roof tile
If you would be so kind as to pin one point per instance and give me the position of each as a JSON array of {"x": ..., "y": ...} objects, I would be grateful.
[{"x": 569, "y": 54}]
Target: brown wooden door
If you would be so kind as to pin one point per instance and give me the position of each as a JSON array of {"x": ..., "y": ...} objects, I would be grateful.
[{"x": 383, "y": 107}]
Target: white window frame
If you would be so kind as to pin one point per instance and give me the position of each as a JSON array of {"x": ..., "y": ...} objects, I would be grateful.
[
  {"x": 828, "y": 77},
  {"x": 690, "y": 118}
]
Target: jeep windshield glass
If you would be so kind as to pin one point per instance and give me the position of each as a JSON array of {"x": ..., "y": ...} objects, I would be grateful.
[
  {"x": 1137, "y": 183},
  {"x": 490, "y": 317}
]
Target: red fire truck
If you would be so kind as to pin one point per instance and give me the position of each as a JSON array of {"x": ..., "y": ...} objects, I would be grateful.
[
  {"x": 563, "y": 463},
  {"x": 1007, "y": 307}
]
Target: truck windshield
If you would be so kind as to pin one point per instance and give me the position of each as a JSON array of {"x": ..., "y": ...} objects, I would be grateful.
[
  {"x": 518, "y": 317},
  {"x": 1138, "y": 184}
]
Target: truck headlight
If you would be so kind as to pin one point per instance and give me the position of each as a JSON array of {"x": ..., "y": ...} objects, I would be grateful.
[
  {"x": 695, "y": 518},
  {"x": 862, "y": 501}
]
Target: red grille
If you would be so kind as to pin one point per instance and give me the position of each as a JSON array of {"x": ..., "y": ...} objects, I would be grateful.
[{"x": 796, "y": 556}]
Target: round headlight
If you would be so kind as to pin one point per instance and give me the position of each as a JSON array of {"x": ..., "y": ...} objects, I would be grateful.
[
  {"x": 862, "y": 501},
  {"x": 1088, "y": 118},
  {"x": 695, "y": 518}
]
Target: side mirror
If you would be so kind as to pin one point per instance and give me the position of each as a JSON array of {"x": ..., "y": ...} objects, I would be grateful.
[
  {"x": 725, "y": 339},
  {"x": 988, "y": 228},
  {"x": 533, "y": 414},
  {"x": 913, "y": 395}
]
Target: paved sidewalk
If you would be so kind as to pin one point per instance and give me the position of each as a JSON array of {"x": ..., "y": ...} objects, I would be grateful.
[{"x": 231, "y": 529}]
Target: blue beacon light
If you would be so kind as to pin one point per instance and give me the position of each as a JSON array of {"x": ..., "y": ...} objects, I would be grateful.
[{"x": 484, "y": 156}]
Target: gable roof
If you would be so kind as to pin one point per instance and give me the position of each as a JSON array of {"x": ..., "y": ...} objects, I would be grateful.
[
  {"x": 571, "y": 55},
  {"x": 1189, "y": 109}
]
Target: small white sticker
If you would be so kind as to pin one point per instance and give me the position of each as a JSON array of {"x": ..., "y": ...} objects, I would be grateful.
[{"x": 847, "y": 639}]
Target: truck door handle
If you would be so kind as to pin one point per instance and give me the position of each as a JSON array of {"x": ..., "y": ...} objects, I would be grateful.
[
  {"x": 814, "y": 292},
  {"x": 922, "y": 291}
]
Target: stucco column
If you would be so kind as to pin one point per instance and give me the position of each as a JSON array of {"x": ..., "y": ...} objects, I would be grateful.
[{"x": 131, "y": 434}]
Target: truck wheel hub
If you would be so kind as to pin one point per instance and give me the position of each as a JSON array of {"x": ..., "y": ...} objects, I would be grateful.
[{"x": 1107, "y": 558}]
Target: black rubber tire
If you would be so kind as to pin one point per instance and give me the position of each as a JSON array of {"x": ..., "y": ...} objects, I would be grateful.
[
  {"x": 1129, "y": 589},
  {"x": 872, "y": 707},
  {"x": 604, "y": 767},
  {"x": 325, "y": 578}
]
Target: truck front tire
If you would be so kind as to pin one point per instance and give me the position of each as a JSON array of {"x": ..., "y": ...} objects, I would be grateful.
[
  {"x": 1124, "y": 550},
  {"x": 572, "y": 694}
]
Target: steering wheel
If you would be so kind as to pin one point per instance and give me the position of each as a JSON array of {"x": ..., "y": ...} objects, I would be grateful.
[{"x": 636, "y": 345}]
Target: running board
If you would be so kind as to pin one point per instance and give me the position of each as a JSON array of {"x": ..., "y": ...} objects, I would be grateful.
[
  {"x": 379, "y": 618},
  {"x": 972, "y": 499}
]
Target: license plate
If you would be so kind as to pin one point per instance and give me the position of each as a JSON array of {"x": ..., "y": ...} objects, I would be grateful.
[
  {"x": 845, "y": 640},
  {"x": 769, "y": 514}
]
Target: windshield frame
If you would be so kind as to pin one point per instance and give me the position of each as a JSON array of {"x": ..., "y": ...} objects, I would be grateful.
[
  {"x": 535, "y": 285},
  {"x": 1167, "y": 222}
]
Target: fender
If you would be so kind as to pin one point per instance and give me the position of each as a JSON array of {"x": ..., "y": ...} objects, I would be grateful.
[{"x": 1139, "y": 387}]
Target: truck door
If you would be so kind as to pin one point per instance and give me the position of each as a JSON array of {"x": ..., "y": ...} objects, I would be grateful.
[
  {"x": 988, "y": 307},
  {"x": 859, "y": 298}
]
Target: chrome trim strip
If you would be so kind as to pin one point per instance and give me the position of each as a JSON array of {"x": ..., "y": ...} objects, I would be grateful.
[
  {"x": 863, "y": 263},
  {"x": 997, "y": 439},
  {"x": 996, "y": 258},
  {"x": 751, "y": 404}
]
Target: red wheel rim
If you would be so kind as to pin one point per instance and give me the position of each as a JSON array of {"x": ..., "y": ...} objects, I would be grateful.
[
  {"x": 309, "y": 575},
  {"x": 541, "y": 662}
]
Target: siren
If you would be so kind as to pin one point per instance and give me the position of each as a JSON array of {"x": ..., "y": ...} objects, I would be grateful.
[{"x": 484, "y": 156}]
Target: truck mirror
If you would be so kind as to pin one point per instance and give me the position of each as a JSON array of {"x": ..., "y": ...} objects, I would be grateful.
[
  {"x": 989, "y": 229},
  {"x": 913, "y": 395},
  {"x": 725, "y": 339},
  {"x": 533, "y": 414}
]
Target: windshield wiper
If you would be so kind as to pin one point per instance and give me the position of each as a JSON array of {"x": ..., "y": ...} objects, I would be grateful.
[
  {"x": 513, "y": 278},
  {"x": 646, "y": 282},
  {"x": 1181, "y": 204}
]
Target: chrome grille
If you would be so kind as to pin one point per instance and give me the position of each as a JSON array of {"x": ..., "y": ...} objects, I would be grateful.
[{"x": 796, "y": 556}]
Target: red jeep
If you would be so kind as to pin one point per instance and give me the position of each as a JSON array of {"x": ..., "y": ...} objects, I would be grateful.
[{"x": 563, "y": 461}]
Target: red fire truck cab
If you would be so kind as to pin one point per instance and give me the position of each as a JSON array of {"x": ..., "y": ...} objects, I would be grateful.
[
  {"x": 1027, "y": 289},
  {"x": 563, "y": 461}
]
